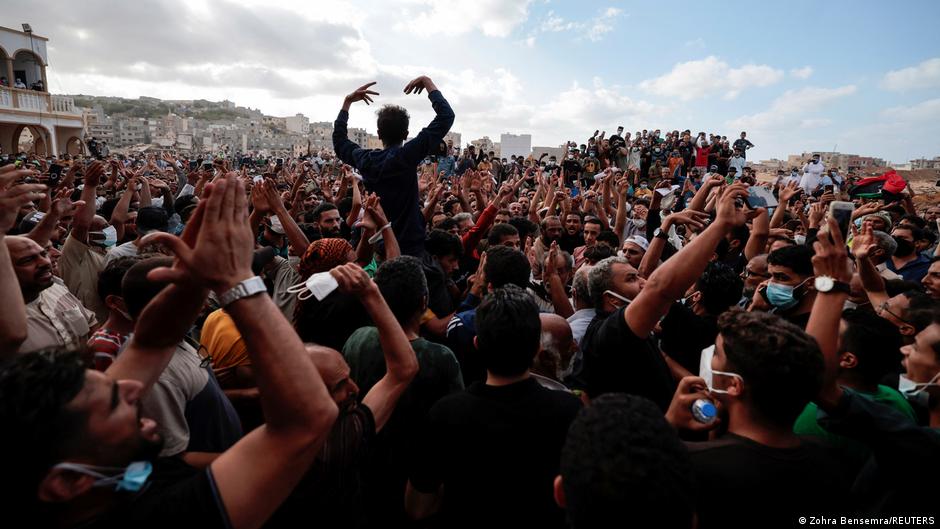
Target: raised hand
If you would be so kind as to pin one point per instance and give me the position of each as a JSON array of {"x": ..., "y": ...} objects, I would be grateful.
[
  {"x": 14, "y": 198},
  {"x": 259, "y": 200},
  {"x": 353, "y": 280},
  {"x": 831, "y": 257},
  {"x": 361, "y": 94},
  {"x": 420, "y": 84},
  {"x": 271, "y": 195},
  {"x": 217, "y": 251},
  {"x": 731, "y": 208},
  {"x": 788, "y": 191},
  {"x": 696, "y": 220},
  {"x": 864, "y": 243},
  {"x": 679, "y": 414}
]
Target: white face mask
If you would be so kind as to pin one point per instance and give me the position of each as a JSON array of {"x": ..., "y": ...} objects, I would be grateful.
[
  {"x": 319, "y": 285},
  {"x": 800, "y": 239},
  {"x": 705, "y": 370},
  {"x": 625, "y": 299},
  {"x": 916, "y": 392}
]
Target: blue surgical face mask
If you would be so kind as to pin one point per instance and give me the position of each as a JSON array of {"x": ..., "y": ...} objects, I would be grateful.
[
  {"x": 110, "y": 236},
  {"x": 705, "y": 370},
  {"x": 781, "y": 296},
  {"x": 131, "y": 479}
]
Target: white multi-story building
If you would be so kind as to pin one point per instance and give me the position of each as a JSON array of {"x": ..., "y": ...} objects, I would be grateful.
[
  {"x": 297, "y": 124},
  {"x": 515, "y": 145},
  {"x": 54, "y": 122}
]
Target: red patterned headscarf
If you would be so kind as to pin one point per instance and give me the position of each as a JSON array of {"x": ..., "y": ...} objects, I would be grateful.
[{"x": 324, "y": 255}]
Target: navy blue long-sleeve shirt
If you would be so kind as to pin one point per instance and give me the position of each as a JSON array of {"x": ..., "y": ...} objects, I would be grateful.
[{"x": 392, "y": 173}]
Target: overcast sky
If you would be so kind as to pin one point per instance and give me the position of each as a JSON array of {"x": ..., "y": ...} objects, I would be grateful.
[{"x": 860, "y": 76}]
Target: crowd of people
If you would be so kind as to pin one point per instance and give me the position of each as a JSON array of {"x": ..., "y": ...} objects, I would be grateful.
[{"x": 639, "y": 333}]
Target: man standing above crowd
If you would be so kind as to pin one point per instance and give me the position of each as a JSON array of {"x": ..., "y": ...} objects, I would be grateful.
[
  {"x": 390, "y": 172},
  {"x": 743, "y": 144}
]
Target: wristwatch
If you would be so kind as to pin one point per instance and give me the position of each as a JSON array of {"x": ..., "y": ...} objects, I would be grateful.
[
  {"x": 826, "y": 284},
  {"x": 248, "y": 287},
  {"x": 658, "y": 233}
]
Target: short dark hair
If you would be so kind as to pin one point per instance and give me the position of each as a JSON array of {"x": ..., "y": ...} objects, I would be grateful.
[
  {"x": 525, "y": 226},
  {"x": 404, "y": 287},
  {"x": 798, "y": 258},
  {"x": 392, "y": 124},
  {"x": 441, "y": 243},
  {"x": 446, "y": 224},
  {"x": 915, "y": 219},
  {"x": 152, "y": 218},
  {"x": 875, "y": 342},
  {"x": 322, "y": 208},
  {"x": 720, "y": 287},
  {"x": 109, "y": 279},
  {"x": 35, "y": 389},
  {"x": 893, "y": 287},
  {"x": 917, "y": 234},
  {"x": 622, "y": 460},
  {"x": 498, "y": 231},
  {"x": 509, "y": 331},
  {"x": 609, "y": 237},
  {"x": 594, "y": 220},
  {"x": 780, "y": 364},
  {"x": 136, "y": 289},
  {"x": 505, "y": 266}
]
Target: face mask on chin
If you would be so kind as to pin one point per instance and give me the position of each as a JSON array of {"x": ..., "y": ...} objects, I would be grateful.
[{"x": 917, "y": 392}]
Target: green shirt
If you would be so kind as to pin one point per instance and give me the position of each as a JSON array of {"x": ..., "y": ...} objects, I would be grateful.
[{"x": 854, "y": 452}]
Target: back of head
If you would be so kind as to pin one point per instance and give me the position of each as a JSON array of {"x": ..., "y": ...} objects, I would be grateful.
[
  {"x": 622, "y": 460},
  {"x": 441, "y": 243},
  {"x": 505, "y": 266},
  {"x": 508, "y": 331},
  {"x": 579, "y": 285},
  {"x": 35, "y": 389},
  {"x": 404, "y": 287},
  {"x": 110, "y": 279},
  {"x": 136, "y": 289},
  {"x": 875, "y": 342},
  {"x": 780, "y": 364},
  {"x": 392, "y": 125},
  {"x": 798, "y": 258},
  {"x": 151, "y": 218},
  {"x": 720, "y": 287}
]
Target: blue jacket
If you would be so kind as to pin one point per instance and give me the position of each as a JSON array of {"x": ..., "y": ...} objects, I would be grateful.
[{"x": 392, "y": 172}]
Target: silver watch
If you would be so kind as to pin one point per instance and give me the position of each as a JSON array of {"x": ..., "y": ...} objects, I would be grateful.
[{"x": 248, "y": 287}]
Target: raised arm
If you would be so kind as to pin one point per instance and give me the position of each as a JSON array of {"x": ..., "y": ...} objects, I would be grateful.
[
  {"x": 295, "y": 236},
  {"x": 872, "y": 282},
  {"x": 255, "y": 475},
  {"x": 671, "y": 280},
  {"x": 81, "y": 222},
  {"x": 400, "y": 361},
  {"x": 433, "y": 134},
  {"x": 760, "y": 231},
  {"x": 830, "y": 259},
  {"x": 347, "y": 150}
]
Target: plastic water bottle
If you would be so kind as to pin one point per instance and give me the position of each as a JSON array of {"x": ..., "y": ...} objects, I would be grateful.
[{"x": 704, "y": 411}]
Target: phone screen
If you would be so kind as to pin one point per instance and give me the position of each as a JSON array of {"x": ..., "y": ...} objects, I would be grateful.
[{"x": 843, "y": 216}]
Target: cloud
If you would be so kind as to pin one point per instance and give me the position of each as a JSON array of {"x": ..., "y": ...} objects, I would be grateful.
[
  {"x": 593, "y": 29},
  {"x": 602, "y": 24},
  {"x": 696, "y": 79},
  {"x": 493, "y": 18},
  {"x": 924, "y": 75},
  {"x": 925, "y": 111},
  {"x": 695, "y": 43},
  {"x": 792, "y": 109},
  {"x": 802, "y": 73}
]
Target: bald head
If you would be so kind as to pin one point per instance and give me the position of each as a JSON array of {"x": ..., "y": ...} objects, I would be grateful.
[
  {"x": 335, "y": 373},
  {"x": 558, "y": 346}
]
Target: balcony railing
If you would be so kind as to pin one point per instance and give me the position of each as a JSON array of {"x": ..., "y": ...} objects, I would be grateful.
[{"x": 33, "y": 101}]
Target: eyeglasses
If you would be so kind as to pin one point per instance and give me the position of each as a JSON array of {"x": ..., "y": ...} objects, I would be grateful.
[
  {"x": 884, "y": 308},
  {"x": 748, "y": 273}
]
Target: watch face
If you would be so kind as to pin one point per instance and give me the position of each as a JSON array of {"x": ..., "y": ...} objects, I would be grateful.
[{"x": 824, "y": 284}]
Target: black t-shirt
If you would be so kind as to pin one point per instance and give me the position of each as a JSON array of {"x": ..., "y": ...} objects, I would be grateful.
[
  {"x": 176, "y": 495},
  {"x": 496, "y": 451},
  {"x": 330, "y": 494},
  {"x": 616, "y": 360},
  {"x": 684, "y": 335},
  {"x": 330, "y": 321},
  {"x": 742, "y": 483}
]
